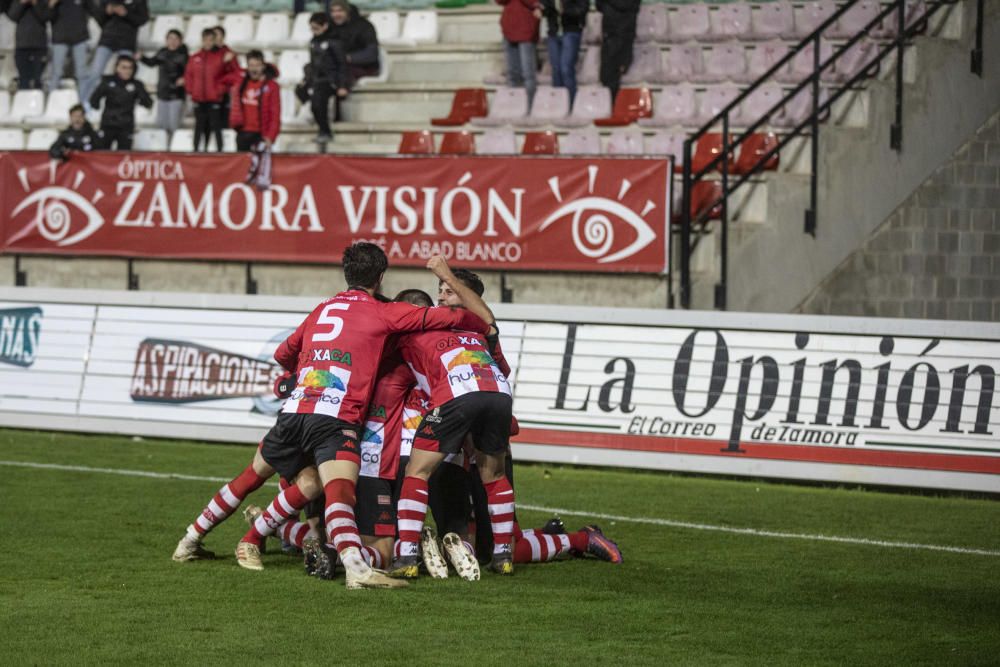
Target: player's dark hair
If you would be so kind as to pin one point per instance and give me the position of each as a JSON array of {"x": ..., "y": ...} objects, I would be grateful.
[
  {"x": 219, "y": 28},
  {"x": 470, "y": 280},
  {"x": 208, "y": 32},
  {"x": 417, "y": 297},
  {"x": 364, "y": 264},
  {"x": 175, "y": 32},
  {"x": 76, "y": 107},
  {"x": 320, "y": 18},
  {"x": 255, "y": 54}
]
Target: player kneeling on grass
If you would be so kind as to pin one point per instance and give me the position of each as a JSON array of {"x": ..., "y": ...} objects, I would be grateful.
[
  {"x": 336, "y": 351},
  {"x": 469, "y": 394}
]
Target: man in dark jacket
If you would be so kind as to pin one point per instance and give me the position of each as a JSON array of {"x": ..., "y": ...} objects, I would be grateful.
[
  {"x": 120, "y": 22},
  {"x": 120, "y": 93},
  {"x": 328, "y": 72},
  {"x": 31, "y": 41},
  {"x": 69, "y": 35},
  {"x": 519, "y": 25},
  {"x": 205, "y": 81},
  {"x": 565, "y": 20},
  {"x": 79, "y": 136},
  {"x": 358, "y": 40},
  {"x": 171, "y": 61},
  {"x": 617, "y": 38}
]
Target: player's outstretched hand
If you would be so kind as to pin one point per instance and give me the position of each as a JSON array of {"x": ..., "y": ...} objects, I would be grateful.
[{"x": 439, "y": 265}]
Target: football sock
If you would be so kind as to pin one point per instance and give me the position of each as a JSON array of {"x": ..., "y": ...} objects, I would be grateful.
[
  {"x": 286, "y": 505},
  {"x": 372, "y": 555},
  {"x": 295, "y": 532},
  {"x": 341, "y": 528},
  {"x": 410, "y": 514},
  {"x": 225, "y": 502},
  {"x": 534, "y": 546},
  {"x": 500, "y": 499}
]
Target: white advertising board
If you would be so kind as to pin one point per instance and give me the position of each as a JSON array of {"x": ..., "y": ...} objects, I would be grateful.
[{"x": 836, "y": 399}]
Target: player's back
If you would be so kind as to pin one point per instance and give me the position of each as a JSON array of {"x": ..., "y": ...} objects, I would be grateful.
[
  {"x": 449, "y": 364},
  {"x": 337, "y": 348}
]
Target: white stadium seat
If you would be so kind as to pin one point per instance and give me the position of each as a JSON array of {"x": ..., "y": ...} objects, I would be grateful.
[
  {"x": 7, "y": 29},
  {"x": 386, "y": 25},
  {"x": 4, "y": 103},
  {"x": 150, "y": 140},
  {"x": 290, "y": 66},
  {"x": 272, "y": 30},
  {"x": 420, "y": 27},
  {"x": 42, "y": 138},
  {"x": 239, "y": 30},
  {"x": 300, "y": 34},
  {"x": 11, "y": 139},
  {"x": 56, "y": 108},
  {"x": 26, "y": 104},
  {"x": 182, "y": 141}
]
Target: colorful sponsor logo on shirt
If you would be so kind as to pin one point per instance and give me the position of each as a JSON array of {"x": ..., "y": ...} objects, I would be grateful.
[
  {"x": 413, "y": 422},
  {"x": 372, "y": 437},
  {"x": 320, "y": 379},
  {"x": 470, "y": 358},
  {"x": 20, "y": 329}
]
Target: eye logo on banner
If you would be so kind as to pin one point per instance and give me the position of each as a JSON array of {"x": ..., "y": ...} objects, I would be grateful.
[
  {"x": 593, "y": 221},
  {"x": 20, "y": 329},
  {"x": 60, "y": 214}
]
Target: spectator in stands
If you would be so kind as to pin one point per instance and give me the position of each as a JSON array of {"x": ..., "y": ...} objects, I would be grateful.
[
  {"x": 256, "y": 108},
  {"x": 228, "y": 56},
  {"x": 328, "y": 75},
  {"x": 171, "y": 61},
  {"x": 357, "y": 38},
  {"x": 31, "y": 41},
  {"x": 617, "y": 38},
  {"x": 79, "y": 136},
  {"x": 565, "y": 20},
  {"x": 204, "y": 80},
  {"x": 120, "y": 22},
  {"x": 120, "y": 92},
  {"x": 519, "y": 25},
  {"x": 69, "y": 35}
]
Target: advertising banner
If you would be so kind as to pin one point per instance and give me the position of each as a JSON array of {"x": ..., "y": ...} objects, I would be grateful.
[
  {"x": 504, "y": 213},
  {"x": 837, "y": 399}
]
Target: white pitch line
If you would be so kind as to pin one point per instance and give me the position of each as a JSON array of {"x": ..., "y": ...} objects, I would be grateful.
[{"x": 754, "y": 532}]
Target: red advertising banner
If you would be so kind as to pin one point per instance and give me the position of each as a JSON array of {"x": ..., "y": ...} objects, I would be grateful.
[{"x": 604, "y": 214}]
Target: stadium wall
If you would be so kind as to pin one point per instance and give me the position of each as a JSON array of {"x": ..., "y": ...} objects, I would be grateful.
[
  {"x": 861, "y": 401},
  {"x": 938, "y": 255}
]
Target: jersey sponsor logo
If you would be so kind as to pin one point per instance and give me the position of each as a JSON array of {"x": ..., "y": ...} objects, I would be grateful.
[
  {"x": 372, "y": 437},
  {"x": 330, "y": 354},
  {"x": 175, "y": 371},
  {"x": 470, "y": 358},
  {"x": 321, "y": 379},
  {"x": 20, "y": 330}
]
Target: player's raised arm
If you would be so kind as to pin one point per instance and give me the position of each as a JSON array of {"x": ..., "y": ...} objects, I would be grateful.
[
  {"x": 402, "y": 317},
  {"x": 470, "y": 300}
]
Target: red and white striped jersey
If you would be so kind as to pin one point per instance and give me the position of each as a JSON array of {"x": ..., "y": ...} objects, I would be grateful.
[
  {"x": 449, "y": 364},
  {"x": 337, "y": 348},
  {"x": 384, "y": 423}
]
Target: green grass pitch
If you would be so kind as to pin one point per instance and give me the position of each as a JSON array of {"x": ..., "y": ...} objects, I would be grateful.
[{"x": 86, "y": 575}]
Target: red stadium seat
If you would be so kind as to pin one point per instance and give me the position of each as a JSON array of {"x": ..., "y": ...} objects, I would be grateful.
[
  {"x": 630, "y": 105},
  {"x": 540, "y": 143},
  {"x": 417, "y": 142},
  {"x": 705, "y": 197},
  {"x": 707, "y": 149},
  {"x": 467, "y": 103},
  {"x": 457, "y": 143},
  {"x": 756, "y": 146}
]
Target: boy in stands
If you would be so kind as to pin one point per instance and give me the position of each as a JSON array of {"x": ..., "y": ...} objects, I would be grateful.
[
  {"x": 255, "y": 113},
  {"x": 79, "y": 136},
  {"x": 336, "y": 352},
  {"x": 120, "y": 92},
  {"x": 469, "y": 395},
  {"x": 204, "y": 80}
]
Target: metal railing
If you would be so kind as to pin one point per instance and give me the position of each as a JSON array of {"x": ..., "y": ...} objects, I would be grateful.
[{"x": 810, "y": 125}]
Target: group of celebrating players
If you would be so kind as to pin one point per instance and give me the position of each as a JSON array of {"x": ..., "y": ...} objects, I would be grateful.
[{"x": 391, "y": 407}]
